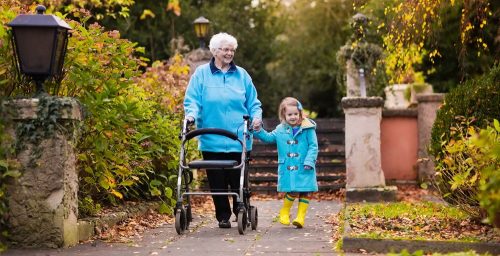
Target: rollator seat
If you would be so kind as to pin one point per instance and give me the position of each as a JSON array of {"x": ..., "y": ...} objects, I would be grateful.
[{"x": 212, "y": 164}]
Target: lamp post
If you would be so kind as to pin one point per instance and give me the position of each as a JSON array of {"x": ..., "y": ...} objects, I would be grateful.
[
  {"x": 39, "y": 42},
  {"x": 201, "y": 29}
]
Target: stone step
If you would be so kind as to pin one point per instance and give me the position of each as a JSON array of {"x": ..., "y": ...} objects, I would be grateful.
[
  {"x": 323, "y": 145},
  {"x": 327, "y": 178},
  {"x": 272, "y": 156},
  {"x": 273, "y": 188},
  {"x": 320, "y": 167}
]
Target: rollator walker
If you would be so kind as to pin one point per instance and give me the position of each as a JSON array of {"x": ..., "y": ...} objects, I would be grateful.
[{"x": 247, "y": 214}]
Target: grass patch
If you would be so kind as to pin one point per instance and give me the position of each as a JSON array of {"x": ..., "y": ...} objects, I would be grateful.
[
  {"x": 412, "y": 211},
  {"x": 420, "y": 253},
  {"x": 415, "y": 221}
]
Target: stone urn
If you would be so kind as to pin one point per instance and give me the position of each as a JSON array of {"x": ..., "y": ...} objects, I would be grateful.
[{"x": 395, "y": 96}]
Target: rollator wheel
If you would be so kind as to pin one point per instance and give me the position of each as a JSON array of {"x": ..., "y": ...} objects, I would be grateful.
[
  {"x": 254, "y": 217},
  {"x": 242, "y": 221},
  {"x": 189, "y": 215},
  {"x": 180, "y": 221}
]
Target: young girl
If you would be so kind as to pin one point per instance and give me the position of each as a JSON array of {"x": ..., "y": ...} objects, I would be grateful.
[{"x": 297, "y": 145}]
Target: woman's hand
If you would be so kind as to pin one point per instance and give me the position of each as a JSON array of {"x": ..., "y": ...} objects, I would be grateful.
[
  {"x": 190, "y": 120},
  {"x": 256, "y": 124}
]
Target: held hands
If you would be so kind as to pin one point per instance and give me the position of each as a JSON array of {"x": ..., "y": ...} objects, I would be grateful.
[
  {"x": 256, "y": 124},
  {"x": 190, "y": 119}
]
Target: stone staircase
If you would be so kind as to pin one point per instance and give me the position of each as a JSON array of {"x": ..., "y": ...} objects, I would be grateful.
[{"x": 330, "y": 166}]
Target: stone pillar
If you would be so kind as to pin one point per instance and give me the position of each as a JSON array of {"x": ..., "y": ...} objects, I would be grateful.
[
  {"x": 365, "y": 178},
  {"x": 43, "y": 203},
  {"x": 427, "y": 108},
  {"x": 197, "y": 57}
]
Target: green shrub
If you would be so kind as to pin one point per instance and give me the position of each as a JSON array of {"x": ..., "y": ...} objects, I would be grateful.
[
  {"x": 469, "y": 173},
  {"x": 129, "y": 143},
  {"x": 4, "y": 168},
  {"x": 457, "y": 174},
  {"x": 8, "y": 74},
  {"x": 8, "y": 167},
  {"x": 488, "y": 144},
  {"x": 477, "y": 100}
]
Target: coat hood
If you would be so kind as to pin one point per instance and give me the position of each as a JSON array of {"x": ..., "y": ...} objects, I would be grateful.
[{"x": 308, "y": 123}]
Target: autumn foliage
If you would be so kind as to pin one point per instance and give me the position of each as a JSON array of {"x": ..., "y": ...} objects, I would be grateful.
[{"x": 128, "y": 142}]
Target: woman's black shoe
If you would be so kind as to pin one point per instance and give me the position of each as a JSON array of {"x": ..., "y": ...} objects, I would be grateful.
[{"x": 224, "y": 224}]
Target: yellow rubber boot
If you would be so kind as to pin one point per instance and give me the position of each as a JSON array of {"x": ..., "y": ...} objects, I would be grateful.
[
  {"x": 301, "y": 213},
  {"x": 285, "y": 210}
]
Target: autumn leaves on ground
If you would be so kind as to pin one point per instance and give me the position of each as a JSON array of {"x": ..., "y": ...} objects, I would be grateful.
[{"x": 403, "y": 225}]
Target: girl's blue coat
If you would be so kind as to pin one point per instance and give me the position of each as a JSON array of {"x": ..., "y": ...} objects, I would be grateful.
[{"x": 293, "y": 153}]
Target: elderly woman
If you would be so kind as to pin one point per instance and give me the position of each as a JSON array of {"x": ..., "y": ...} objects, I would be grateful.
[{"x": 219, "y": 94}]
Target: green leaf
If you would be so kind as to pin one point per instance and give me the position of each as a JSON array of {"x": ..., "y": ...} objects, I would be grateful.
[
  {"x": 4, "y": 164},
  {"x": 88, "y": 170},
  {"x": 165, "y": 209},
  {"x": 126, "y": 183},
  {"x": 89, "y": 180},
  {"x": 155, "y": 183},
  {"x": 169, "y": 192},
  {"x": 103, "y": 182},
  {"x": 155, "y": 191},
  {"x": 13, "y": 174},
  {"x": 143, "y": 138}
]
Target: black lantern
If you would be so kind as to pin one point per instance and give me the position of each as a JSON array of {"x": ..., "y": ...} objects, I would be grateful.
[
  {"x": 39, "y": 43},
  {"x": 201, "y": 29}
]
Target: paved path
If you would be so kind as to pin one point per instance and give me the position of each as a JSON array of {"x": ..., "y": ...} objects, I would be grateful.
[{"x": 205, "y": 238}]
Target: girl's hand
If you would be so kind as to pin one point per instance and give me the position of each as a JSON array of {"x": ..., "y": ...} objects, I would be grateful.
[{"x": 307, "y": 167}]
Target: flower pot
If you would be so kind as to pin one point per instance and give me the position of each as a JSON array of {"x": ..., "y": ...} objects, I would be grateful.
[{"x": 395, "y": 96}]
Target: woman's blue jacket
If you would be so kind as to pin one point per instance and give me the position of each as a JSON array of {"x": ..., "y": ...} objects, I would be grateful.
[
  {"x": 219, "y": 100},
  {"x": 294, "y": 151}
]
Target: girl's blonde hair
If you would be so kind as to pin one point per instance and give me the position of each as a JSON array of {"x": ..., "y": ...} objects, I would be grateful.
[{"x": 290, "y": 102}]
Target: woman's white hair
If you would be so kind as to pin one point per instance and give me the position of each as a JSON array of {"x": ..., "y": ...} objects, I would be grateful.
[{"x": 218, "y": 39}]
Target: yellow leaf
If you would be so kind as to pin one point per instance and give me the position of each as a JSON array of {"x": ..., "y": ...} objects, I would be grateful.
[
  {"x": 471, "y": 130},
  {"x": 108, "y": 134},
  {"x": 174, "y": 6},
  {"x": 117, "y": 194},
  {"x": 147, "y": 13}
]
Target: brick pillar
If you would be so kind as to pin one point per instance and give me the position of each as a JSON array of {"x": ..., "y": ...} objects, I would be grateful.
[
  {"x": 43, "y": 203},
  {"x": 365, "y": 178},
  {"x": 427, "y": 107}
]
